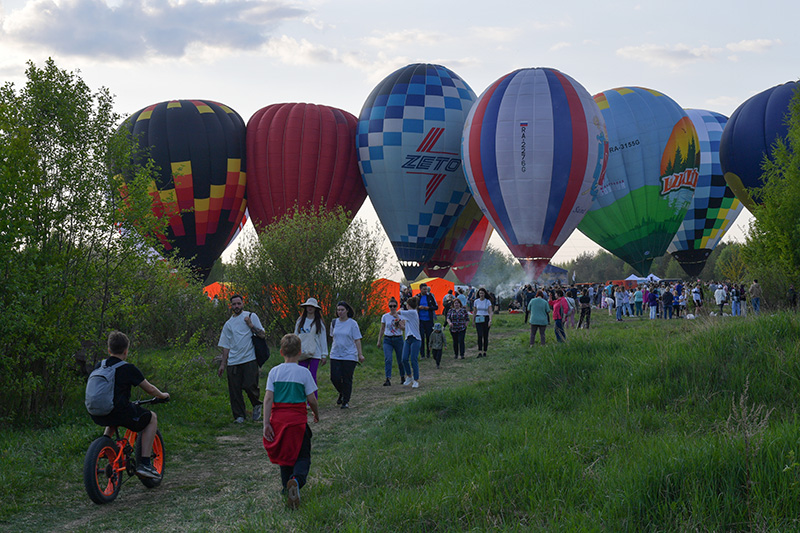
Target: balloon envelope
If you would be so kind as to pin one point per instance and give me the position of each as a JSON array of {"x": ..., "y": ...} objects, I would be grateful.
[
  {"x": 409, "y": 138},
  {"x": 301, "y": 155},
  {"x": 652, "y": 172},
  {"x": 466, "y": 264},
  {"x": 533, "y": 146},
  {"x": 199, "y": 147},
  {"x": 454, "y": 241},
  {"x": 714, "y": 206},
  {"x": 750, "y": 135}
]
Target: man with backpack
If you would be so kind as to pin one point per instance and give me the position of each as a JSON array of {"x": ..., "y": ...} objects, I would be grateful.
[
  {"x": 239, "y": 359},
  {"x": 108, "y": 394}
]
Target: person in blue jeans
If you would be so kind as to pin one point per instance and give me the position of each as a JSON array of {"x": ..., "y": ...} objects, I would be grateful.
[
  {"x": 412, "y": 343},
  {"x": 391, "y": 338}
]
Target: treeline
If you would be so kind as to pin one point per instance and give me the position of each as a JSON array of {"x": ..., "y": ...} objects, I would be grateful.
[{"x": 601, "y": 266}]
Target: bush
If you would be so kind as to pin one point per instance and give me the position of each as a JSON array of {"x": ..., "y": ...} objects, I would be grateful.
[{"x": 312, "y": 253}]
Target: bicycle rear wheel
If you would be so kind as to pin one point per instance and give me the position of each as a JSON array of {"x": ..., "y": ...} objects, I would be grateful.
[
  {"x": 157, "y": 457},
  {"x": 101, "y": 481}
]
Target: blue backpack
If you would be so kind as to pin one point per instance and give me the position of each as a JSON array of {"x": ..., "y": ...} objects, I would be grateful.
[{"x": 100, "y": 389}]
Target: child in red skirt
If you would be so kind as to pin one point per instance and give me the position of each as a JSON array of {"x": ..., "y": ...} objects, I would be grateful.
[{"x": 287, "y": 437}]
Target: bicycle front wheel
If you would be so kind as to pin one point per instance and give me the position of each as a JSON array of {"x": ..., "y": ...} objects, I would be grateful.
[
  {"x": 157, "y": 457},
  {"x": 102, "y": 482}
]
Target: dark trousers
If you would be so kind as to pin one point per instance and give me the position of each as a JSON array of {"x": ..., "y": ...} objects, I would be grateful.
[
  {"x": 426, "y": 328},
  {"x": 540, "y": 329},
  {"x": 458, "y": 342},
  {"x": 482, "y": 328},
  {"x": 586, "y": 313},
  {"x": 437, "y": 355},
  {"x": 299, "y": 470},
  {"x": 242, "y": 378},
  {"x": 342, "y": 377},
  {"x": 560, "y": 335}
]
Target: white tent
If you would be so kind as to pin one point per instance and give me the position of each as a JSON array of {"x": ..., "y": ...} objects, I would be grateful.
[
  {"x": 634, "y": 277},
  {"x": 652, "y": 277}
]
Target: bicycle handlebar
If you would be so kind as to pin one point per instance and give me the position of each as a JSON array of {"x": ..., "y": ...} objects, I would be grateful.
[{"x": 151, "y": 400}]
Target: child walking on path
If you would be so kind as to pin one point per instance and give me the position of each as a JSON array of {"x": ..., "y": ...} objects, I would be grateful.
[
  {"x": 437, "y": 342},
  {"x": 287, "y": 437}
]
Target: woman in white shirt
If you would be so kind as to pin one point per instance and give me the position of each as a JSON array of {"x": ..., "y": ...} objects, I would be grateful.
[
  {"x": 345, "y": 352},
  {"x": 482, "y": 320},
  {"x": 311, "y": 322},
  {"x": 391, "y": 339},
  {"x": 412, "y": 343}
]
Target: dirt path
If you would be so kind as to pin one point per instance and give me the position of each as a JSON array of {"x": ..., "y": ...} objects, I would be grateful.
[{"x": 213, "y": 489}]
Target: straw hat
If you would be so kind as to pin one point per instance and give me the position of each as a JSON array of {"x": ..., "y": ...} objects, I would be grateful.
[{"x": 311, "y": 302}]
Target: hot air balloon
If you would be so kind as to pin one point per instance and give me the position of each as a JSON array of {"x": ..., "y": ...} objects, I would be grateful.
[
  {"x": 466, "y": 264},
  {"x": 301, "y": 155},
  {"x": 653, "y": 166},
  {"x": 409, "y": 139},
  {"x": 714, "y": 206},
  {"x": 451, "y": 245},
  {"x": 534, "y": 145},
  {"x": 199, "y": 147},
  {"x": 750, "y": 134}
]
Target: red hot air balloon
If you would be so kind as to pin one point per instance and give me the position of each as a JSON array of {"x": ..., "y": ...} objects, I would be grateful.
[{"x": 301, "y": 155}]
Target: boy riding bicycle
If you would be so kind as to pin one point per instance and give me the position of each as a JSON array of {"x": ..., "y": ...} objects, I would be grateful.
[{"x": 124, "y": 413}]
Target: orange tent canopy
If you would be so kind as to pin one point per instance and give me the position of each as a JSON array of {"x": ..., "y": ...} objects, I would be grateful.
[
  {"x": 383, "y": 289},
  {"x": 439, "y": 287},
  {"x": 216, "y": 289}
]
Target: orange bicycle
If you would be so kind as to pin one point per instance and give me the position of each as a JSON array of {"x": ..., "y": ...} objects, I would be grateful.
[{"x": 107, "y": 460}]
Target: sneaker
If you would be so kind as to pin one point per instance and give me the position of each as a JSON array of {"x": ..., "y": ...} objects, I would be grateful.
[
  {"x": 339, "y": 401},
  {"x": 387, "y": 383},
  {"x": 239, "y": 420},
  {"x": 408, "y": 381},
  {"x": 345, "y": 406},
  {"x": 415, "y": 384},
  {"x": 292, "y": 494},
  {"x": 256, "y": 413},
  {"x": 147, "y": 471}
]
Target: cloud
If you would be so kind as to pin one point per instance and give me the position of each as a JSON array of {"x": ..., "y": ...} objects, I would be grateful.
[
  {"x": 676, "y": 56},
  {"x": 403, "y": 38},
  {"x": 560, "y": 45},
  {"x": 293, "y": 52},
  {"x": 672, "y": 57},
  {"x": 501, "y": 34},
  {"x": 318, "y": 24},
  {"x": 753, "y": 45},
  {"x": 133, "y": 29}
]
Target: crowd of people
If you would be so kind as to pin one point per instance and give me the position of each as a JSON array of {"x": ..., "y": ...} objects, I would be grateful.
[{"x": 412, "y": 328}]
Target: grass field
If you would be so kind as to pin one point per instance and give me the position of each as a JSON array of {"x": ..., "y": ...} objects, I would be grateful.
[{"x": 635, "y": 426}]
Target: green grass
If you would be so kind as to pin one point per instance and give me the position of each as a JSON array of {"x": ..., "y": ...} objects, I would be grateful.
[{"x": 627, "y": 427}]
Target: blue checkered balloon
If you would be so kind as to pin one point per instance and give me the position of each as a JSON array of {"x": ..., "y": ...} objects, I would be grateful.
[
  {"x": 714, "y": 207},
  {"x": 409, "y": 151}
]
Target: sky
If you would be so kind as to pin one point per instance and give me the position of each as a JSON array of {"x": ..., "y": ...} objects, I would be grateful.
[{"x": 249, "y": 54}]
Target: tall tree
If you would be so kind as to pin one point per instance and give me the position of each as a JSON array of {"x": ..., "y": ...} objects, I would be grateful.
[
  {"x": 772, "y": 250},
  {"x": 67, "y": 271}
]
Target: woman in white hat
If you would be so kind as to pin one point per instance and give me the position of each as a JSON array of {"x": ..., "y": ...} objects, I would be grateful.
[{"x": 311, "y": 329}]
